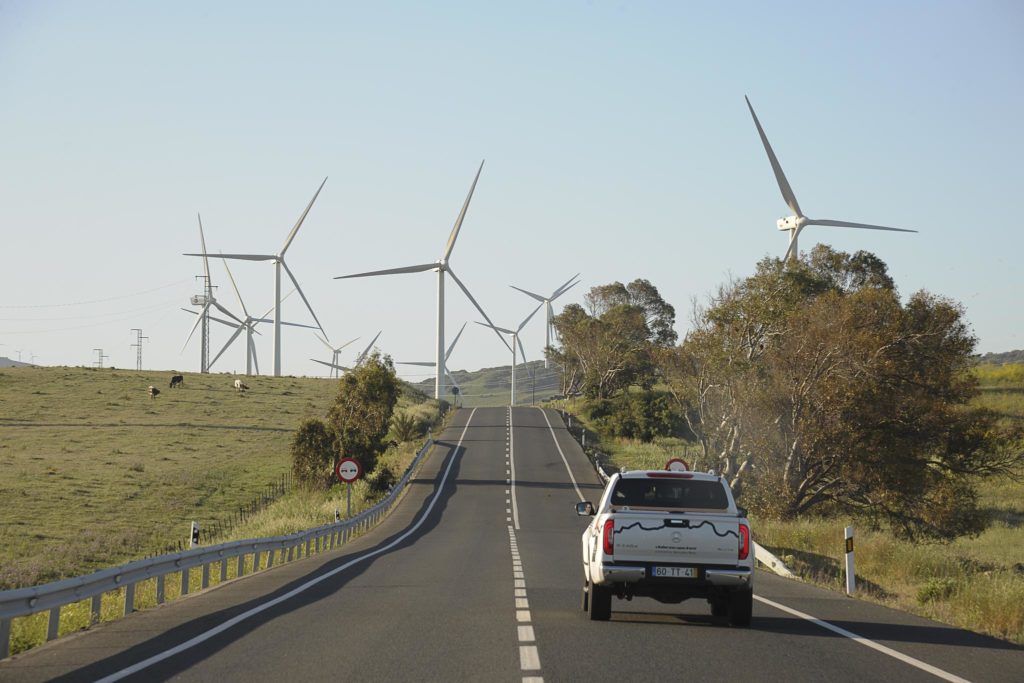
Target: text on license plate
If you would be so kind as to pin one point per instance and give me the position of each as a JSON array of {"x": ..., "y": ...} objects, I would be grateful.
[{"x": 674, "y": 572}]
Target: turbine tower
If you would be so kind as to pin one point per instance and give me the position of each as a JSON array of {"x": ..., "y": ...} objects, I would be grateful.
[
  {"x": 569, "y": 284},
  {"x": 515, "y": 340},
  {"x": 279, "y": 263},
  {"x": 441, "y": 266},
  {"x": 795, "y": 224},
  {"x": 206, "y": 300}
]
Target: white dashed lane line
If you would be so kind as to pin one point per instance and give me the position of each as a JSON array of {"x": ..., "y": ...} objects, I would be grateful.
[{"x": 529, "y": 658}]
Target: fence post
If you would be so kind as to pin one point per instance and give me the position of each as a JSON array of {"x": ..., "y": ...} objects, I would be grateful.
[{"x": 851, "y": 581}]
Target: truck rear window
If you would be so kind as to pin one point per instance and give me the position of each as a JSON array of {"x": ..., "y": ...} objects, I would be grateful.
[{"x": 670, "y": 493}]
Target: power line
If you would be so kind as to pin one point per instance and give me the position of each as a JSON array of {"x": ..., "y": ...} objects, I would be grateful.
[{"x": 96, "y": 301}]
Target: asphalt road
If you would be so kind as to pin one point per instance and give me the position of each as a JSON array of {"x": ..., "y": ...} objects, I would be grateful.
[{"x": 476, "y": 576}]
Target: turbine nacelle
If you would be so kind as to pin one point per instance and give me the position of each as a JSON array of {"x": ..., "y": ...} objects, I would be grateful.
[{"x": 792, "y": 222}]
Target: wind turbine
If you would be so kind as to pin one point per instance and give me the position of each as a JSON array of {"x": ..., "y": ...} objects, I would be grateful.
[
  {"x": 279, "y": 262},
  {"x": 441, "y": 266},
  {"x": 335, "y": 350},
  {"x": 249, "y": 325},
  {"x": 447, "y": 355},
  {"x": 569, "y": 284},
  {"x": 206, "y": 300},
  {"x": 359, "y": 359},
  {"x": 795, "y": 224},
  {"x": 515, "y": 340}
]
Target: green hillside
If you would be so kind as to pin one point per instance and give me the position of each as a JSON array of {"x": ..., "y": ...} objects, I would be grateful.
[
  {"x": 95, "y": 472},
  {"x": 490, "y": 387}
]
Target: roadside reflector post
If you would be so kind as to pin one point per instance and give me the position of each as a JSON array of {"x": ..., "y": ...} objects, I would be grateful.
[
  {"x": 851, "y": 583},
  {"x": 193, "y": 538},
  {"x": 584, "y": 438},
  {"x": 337, "y": 515}
]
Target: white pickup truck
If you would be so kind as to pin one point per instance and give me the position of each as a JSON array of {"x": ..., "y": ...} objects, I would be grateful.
[{"x": 668, "y": 535}]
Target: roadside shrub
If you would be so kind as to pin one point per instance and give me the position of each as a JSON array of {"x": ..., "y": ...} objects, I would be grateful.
[
  {"x": 405, "y": 427},
  {"x": 935, "y": 589},
  {"x": 641, "y": 415},
  {"x": 313, "y": 450}
]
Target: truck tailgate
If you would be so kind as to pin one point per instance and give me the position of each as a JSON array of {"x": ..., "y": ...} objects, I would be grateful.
[{"x": 676, "y": 538}]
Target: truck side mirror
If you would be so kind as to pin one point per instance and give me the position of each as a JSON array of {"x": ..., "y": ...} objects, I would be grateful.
[{"x": 585, "y": 509}]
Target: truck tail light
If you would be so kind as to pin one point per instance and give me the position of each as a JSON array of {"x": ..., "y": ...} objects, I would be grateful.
[
  {"x": 744, "y": 541},
  {"x": 608, "y": 538}
]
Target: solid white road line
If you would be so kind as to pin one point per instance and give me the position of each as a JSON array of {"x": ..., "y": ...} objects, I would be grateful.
[
  {"x": 567, "y": 468},
  {"x": 935, "y": 671},
  {"x": 512, "y": 471},
  {"x": 216, "y": 630}
]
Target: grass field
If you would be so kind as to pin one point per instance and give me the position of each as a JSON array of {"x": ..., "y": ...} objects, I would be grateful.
[
  {"x": 95, "y": 472},
  {"x": 975, "y": 583},
  {"x": 490, "y": 387}
]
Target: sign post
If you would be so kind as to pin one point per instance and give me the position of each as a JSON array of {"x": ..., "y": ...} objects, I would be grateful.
[{"x": 348, "y": 470}]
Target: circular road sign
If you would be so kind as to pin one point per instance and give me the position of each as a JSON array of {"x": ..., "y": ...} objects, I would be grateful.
[
  {"x": 677, "y": 465},
  {"x": 348, "y": 470}
]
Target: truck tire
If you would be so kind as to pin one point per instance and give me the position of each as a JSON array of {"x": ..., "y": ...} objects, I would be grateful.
[
  {"x": 600, "y": 599},
  {"x": 741, "y": 607}
]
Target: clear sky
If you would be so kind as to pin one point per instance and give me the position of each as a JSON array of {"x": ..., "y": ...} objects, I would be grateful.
[{"x": 616, "y": 140}]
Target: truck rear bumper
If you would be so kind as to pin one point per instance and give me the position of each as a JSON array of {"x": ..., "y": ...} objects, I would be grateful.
[{"x": 731, "y": 577}]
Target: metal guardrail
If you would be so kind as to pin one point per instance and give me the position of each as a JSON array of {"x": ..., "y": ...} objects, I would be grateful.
[{"x": 23, "y": 602}]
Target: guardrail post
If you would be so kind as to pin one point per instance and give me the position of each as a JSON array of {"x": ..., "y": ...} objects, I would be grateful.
[
  {"x": 94, "y": 609},
  {"x": 54, "y": 624},
  {"x": 5, "y": 638},
  {"x": 206, "y": 575},
  {"x": 291, "y": 553},
  {"x": 255, "y": 561},
  {"x": 129, "y": 599},
  {"x": 223, "y": 569},
  {"x": 270, "y": 557},
  {"x": 184, "y": 581},
  {"x": 160, "y": 589},
  {"x": 308, "y": 542},
  {"x": 241, "y": 566}
]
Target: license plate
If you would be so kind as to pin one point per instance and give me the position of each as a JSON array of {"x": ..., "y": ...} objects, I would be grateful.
[{"x": 674, "y": 572}]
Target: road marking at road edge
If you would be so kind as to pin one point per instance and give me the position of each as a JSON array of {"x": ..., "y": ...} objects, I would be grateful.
[
  {"x": 217, "y": 630},
  {"x": 512, "y": 470},
  {"x": 567, "y": 468},
  {"x": 935, "y": 671}
]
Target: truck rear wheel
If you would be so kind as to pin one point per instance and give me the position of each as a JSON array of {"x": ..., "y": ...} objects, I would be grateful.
[
  {"x": 600, "y": 599},
  {"x": 741, "y": 607}
]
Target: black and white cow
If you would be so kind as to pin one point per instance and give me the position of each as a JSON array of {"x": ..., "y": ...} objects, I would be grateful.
[
  {"x": 153, "y": 391},
  {"x": 177, "y": 381}
]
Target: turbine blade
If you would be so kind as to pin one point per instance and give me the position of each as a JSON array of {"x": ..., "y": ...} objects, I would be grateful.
[
  {"x": 470, "y": 297},
  {"x": 780, "y": 177},
  {"x": 225, "y": 347},
  {"x": 362, "y": 356},
  {"x": 425, "y": 364},
  {"x": 462, "y": 216},
  {"x": 538, "y": 297},
  {"x": 324, "y": 342},
  {"x": 238, "y": 295},
  {"x": 239, "y": 257},
  {"x": 351, "y": 341},
  {"x": 791, "y": 251},
  {"x": 522, "y": 352},
  {"x": 523, "y": 324},
  {"x": 227, "y": 312},
  {"x": 331, "y": 365},
  {"x": 455, "y": 341},
  {"x": 304, "y": 299},
  {"x": 494, "y": 327},
  {"x": 566, "y": 286},
  {"x": 562, "y": 291},
  {"x": 298, "y": 224},
  {"x": 202, "y": 240},
  {"x": 199, "y": 319},
  {"x": 391, "y": 271},
  {"x": 847, "y": 224}
]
